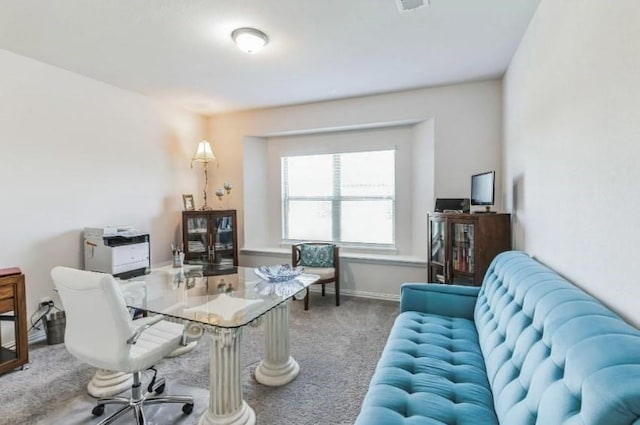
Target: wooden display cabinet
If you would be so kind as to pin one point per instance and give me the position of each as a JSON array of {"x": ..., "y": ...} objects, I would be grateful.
[
  {"x": 461, "y": 246},
  {"x": 13, "y": 320},
  {"x": 211, "y": 237}
]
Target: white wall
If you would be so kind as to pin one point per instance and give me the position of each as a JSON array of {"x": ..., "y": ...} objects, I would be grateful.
[
  {"x": 75, "y": 152},
  {"x": 422, "y": 180},
  {"x": 256, "y": 174},
  {"x": 466, "y": 120},
  {"x": 572, "y": 144},
  {"x": 394, "y": 138}
]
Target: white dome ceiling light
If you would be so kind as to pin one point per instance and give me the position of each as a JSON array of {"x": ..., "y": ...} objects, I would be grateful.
[
  {"x": 410, "y": 5},
  {"x": 249, "y": 40}
]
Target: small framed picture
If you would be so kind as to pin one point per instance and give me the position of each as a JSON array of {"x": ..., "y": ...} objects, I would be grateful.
[{"x": 187, "y": 200}]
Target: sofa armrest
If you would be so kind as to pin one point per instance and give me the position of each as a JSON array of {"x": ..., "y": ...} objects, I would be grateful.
[{"x": 436, "y": 298}]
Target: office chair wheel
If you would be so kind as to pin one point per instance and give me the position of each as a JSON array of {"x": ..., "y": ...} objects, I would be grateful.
[
  {"x": 187, "y": 408},
  {"x": 159, "y": 390},
  {"x": 98, "y": 410}
]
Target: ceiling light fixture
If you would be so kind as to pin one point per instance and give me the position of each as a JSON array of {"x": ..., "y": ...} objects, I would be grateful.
[
  {"x": 410, "y": 5},
  {"x": 249, "y": 40}
]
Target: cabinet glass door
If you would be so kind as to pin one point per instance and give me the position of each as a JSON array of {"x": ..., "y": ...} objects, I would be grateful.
[
  {"x": 462, "y": 253},
  {"x": 223, "y": 246},
  {"x": 197, "y": 242},
  {"x": 437, "y": 251},
  {"x": 437, "y": 241}
]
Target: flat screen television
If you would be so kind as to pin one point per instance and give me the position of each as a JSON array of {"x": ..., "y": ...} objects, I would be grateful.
[{"x": 483, "y": 187}]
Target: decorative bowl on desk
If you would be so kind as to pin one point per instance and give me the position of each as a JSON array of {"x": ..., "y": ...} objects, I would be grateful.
[{"x": 278, "y": 273}]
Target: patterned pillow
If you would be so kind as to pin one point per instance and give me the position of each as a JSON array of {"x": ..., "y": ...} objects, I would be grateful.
[{"x": 316, "y": 255}]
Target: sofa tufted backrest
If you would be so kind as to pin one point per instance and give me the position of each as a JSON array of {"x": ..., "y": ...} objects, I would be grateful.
[{"x": 554, "y": 354}]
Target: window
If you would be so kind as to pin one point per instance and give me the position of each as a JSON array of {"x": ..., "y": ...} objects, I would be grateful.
[{"x": 343, "y": 197}]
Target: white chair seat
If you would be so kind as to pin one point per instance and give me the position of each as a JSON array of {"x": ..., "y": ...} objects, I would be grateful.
[{"x": 324, "y": 273}]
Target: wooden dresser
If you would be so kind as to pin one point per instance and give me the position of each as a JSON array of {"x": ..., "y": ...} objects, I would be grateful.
[{"x": 13, "y": 319}]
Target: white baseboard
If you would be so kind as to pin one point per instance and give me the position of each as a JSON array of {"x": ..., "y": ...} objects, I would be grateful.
[
  {"x": 36, "y": 335},
  {"x": 359, "y": 294}
]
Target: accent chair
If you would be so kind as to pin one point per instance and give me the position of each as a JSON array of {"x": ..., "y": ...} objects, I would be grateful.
[{"x": 322, "y": 259}]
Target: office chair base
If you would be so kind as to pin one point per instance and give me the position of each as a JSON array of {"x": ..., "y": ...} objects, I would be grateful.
[
  {"x": 187, "y": 408},
  {"x": 138, "y": 399}
]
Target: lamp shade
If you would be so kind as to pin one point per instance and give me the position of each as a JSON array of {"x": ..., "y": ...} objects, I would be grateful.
[{"x": 203, "y": 153}]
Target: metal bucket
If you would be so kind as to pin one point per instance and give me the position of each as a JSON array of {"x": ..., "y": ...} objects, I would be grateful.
[{"x": 54, "y": 326}]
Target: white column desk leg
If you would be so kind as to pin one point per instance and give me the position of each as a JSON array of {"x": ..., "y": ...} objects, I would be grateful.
[
  {"x": 107, "y": 383},
  {"x": 278, "y": 367},
  {"x": 226, "y": 406}
]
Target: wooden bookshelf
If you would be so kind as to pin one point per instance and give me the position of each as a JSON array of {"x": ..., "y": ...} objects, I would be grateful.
[{"x": 461, "y": 246}]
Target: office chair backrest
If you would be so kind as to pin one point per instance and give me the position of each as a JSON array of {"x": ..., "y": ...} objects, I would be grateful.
[{"x": 98, "y": 322}]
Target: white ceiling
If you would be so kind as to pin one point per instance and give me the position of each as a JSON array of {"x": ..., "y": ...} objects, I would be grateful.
[{"x": 181, "y": 50}]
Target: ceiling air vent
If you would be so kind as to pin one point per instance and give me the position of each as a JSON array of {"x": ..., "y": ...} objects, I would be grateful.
[{"x": 409, "y": 5}]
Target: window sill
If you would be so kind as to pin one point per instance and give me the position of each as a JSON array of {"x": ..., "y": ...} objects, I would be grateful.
[
  {"x": 374, "y": 249},
  {"x": 397, "y": 260}
]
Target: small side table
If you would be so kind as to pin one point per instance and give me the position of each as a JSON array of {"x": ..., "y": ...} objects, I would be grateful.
[{"x": 14, "y": 311}]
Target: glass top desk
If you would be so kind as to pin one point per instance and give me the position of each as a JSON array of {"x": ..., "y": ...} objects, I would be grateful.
[{"x": 222, "y": 305}]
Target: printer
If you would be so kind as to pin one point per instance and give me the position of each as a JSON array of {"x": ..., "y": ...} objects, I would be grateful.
[{"x": 121, "y": 251}]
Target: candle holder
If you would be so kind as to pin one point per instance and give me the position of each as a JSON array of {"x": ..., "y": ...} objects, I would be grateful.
[
  {"x": 227, "y": 188},
  {"x": 220, "y": 194}
]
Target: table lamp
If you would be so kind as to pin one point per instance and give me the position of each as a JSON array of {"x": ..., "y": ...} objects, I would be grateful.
[{"x": 204, "y": 154}]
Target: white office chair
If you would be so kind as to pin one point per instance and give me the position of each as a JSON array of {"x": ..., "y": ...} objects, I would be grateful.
[{"x": 100, "y": 332}]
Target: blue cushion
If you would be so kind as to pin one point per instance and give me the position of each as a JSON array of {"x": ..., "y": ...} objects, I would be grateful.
[
  {"x": 316, "y": 255},
  {"x": 554, "y": 354},
  {"x": 435, "y": 298},
  {"x": 431, "y": 372},
  {"x": 538, "y": 351}
]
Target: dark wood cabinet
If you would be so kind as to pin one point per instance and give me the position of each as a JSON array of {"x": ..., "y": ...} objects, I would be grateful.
[
  {"x": 211, "y": 237},
  {"x": 13, "y": 320},
  {"x": 461, "y": 246}
]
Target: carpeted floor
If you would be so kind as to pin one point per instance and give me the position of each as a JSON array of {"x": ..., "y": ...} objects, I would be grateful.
[{"x": 337, "y": 349}]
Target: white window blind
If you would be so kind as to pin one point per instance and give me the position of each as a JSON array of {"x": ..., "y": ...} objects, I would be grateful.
[{"x": 343, "y": 197}]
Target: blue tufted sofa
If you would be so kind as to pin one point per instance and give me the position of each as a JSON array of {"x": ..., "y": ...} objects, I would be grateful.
[{"x": 526, "y": 348}]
